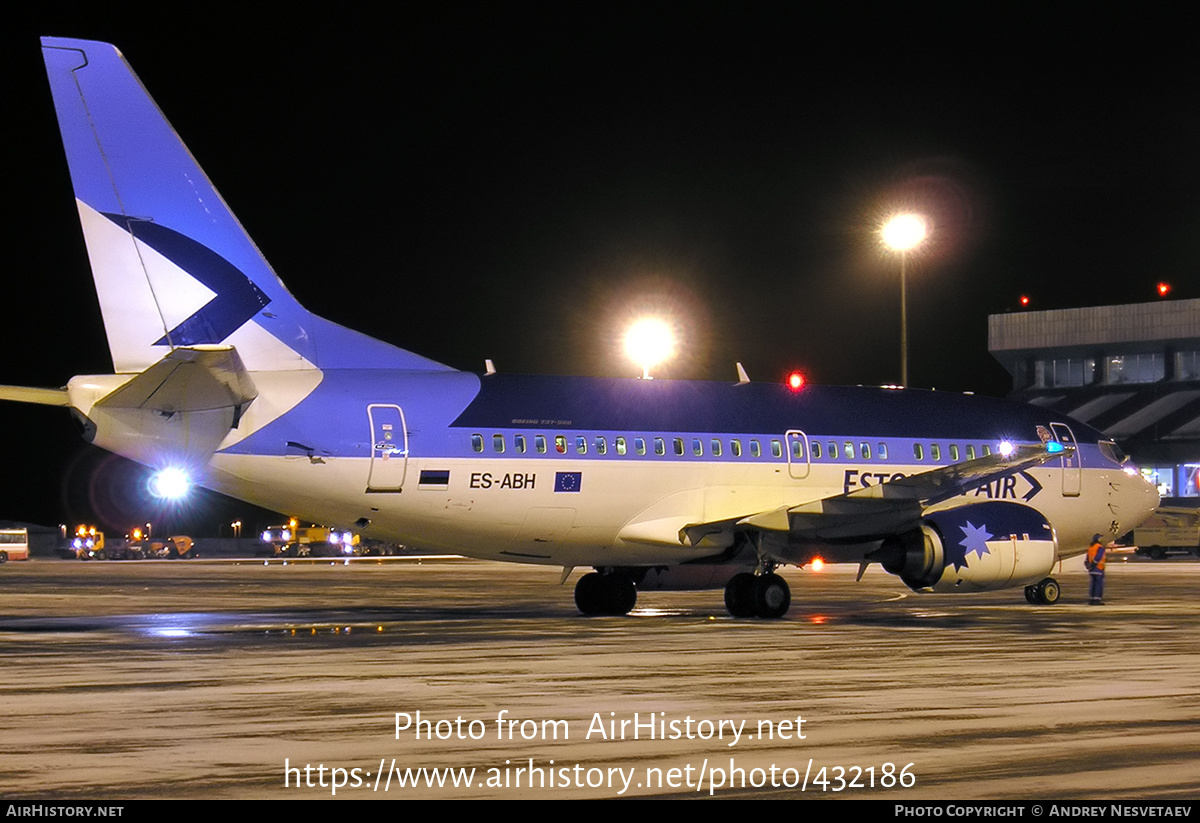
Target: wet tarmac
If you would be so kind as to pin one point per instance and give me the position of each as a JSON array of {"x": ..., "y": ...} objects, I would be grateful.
[{"x": 128, "y": 680}]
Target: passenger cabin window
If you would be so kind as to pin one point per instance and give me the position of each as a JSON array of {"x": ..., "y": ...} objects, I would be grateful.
[
  {"x": 697, "y": 447},
  {"x": 816, "y": 450},
  {"x": 918, "y": 451},
  {"x": 539, "y": 443},
  {"x": 715, "y": 447},
  {"x": 519, "y": 443},
  {"x": 477, "y": 442},
  {"x": 620, "y": 444},
  {"x": 560, "y": 443},
  {"x": 755, "y": 449},
  {"x": 639, "y": 445},
  {"x": 987, "y": 450},
  {"x": 865, "y": 450},
  {"x": 581, "y": 445},
  {"x": 798, "y": 448},
  {"x": 776, "y": 448},
  {"x": 883, "y": 451},
  {"x": 848, "y": 450},
  {"x": 954, "y": 452},
  {"x": 660, "y": 446},
  {"x": 601, "y": 446},
  {"x": 677, "y": 444},
  {"x": 831, "y": 453},
  {"x": 735, "y": 447},
  {"x": 935, "y": 452},
  {"x": 970, "y": 452}
]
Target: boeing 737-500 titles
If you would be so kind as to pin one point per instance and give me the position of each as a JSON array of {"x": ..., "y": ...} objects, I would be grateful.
[{"x": 654, "y": 484}]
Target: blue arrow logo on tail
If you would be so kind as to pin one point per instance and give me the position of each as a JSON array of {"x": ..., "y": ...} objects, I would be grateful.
[{"x": 237, "y": 298}]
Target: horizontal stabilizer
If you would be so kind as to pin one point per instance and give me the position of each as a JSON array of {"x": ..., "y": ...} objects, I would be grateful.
[
  {"x": 43, "y": 397},
  {"x": 187, "y": 380},
  {"x": 174, "y": 413}
]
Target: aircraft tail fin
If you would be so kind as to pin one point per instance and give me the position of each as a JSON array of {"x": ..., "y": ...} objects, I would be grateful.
[{"x": 173, "y": 266}]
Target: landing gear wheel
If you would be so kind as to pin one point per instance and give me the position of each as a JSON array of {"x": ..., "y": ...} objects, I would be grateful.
[
  {"x": 772, "y": 597},
  {"x": 587, "y": 594},
  {"x": 621, "y": 594},
  {"x": 610, "y": 594},
  {"x": 1048, "y": 592},
  {"x": 1031, "y": 595},
  {"x": 739, "y": 595}
]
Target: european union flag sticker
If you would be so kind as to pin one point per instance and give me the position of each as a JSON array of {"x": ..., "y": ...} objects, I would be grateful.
[{"x": 567, "y": 481}]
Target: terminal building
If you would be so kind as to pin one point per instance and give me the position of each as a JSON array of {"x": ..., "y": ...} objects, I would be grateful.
[{"x": 1132, "y": 372}]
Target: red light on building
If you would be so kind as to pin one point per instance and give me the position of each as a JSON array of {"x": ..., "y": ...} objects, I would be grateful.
[
  {"x": 1164, "y": 289},
  {"x": 1024, "y": 299},
  {"x": 795, "y": 381}
]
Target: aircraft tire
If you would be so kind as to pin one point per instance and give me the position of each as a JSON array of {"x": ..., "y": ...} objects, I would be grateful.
[
  {"x": 588, "y": 597},
  {"x": 1031, "y": 594},
  {"x": 605, "y": 594},
  {"x": 739, "y": 595},
  {"x": 1048, "y": 592},
  {"x": 620, "y": 594},
  {"x": 772, "y": 597}
]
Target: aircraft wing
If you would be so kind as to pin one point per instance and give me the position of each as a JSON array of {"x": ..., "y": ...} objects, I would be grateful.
[{"x": 875, "y": 512}]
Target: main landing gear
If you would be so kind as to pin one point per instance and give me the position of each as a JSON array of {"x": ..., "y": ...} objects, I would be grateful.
[
  {"x": 605, "y": 594},
  {"x": 764, "y": 595},
  {"x": 1045, "y": 593}
]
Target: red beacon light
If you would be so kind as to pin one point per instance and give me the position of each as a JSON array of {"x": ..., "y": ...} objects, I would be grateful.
[
  {"x": 795, "y": 381},
  {"x": 1164, "y": 289},
  {"x": 1024, "y": 299}
]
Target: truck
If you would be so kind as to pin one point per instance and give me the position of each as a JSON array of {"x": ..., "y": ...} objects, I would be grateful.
[
  {"x": 90, "y": 544},
  {"x": 294, "y": 540},
  {"x": 1169, "y": 530},
  {"x": 175, "y": 547}
]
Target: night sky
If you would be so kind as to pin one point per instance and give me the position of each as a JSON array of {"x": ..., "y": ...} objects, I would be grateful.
[{"x": 512, "y": 182}]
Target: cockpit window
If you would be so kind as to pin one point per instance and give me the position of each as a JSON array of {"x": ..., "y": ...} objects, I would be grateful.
[{"x": 1113, "y": 452}]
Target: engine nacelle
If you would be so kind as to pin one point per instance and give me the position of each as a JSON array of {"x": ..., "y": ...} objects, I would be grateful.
[{"x": 980, "y": 546}]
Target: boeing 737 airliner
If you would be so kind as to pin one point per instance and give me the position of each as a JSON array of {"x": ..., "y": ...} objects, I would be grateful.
[{"x": 655, "y": 484}]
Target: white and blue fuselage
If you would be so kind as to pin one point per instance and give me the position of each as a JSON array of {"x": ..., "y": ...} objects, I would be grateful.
[{"x": 654, "y": 483}]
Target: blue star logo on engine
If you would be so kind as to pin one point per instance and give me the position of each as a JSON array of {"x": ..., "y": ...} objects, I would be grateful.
[{"x": 975, "y": 540}]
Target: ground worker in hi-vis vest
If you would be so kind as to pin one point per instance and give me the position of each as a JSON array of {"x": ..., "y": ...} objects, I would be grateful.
[{"x": 1095, "y": 567}]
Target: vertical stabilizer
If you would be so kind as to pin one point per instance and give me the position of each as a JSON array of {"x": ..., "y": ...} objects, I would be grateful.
[{"x": 173, "y": 266}]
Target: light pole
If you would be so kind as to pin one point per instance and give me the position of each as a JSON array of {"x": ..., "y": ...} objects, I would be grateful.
[{"x": 902, "y": 234}]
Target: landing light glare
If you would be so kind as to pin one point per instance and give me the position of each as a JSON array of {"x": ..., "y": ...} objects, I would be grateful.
[{"x": 170, "y": 484}]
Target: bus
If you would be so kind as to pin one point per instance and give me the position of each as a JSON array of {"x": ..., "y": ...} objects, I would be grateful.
[{"x": 14, "y": 544}]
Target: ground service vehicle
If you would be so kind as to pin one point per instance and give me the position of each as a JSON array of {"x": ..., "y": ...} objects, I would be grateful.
[
  {"x": 294, "y": 540},
  {"x": 1169, "y": 530}
]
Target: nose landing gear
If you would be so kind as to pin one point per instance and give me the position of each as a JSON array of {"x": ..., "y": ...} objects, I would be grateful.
[{"x": 1045, "y": 593}]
